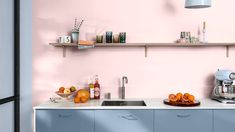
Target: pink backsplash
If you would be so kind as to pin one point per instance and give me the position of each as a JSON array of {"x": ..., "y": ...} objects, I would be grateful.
[{"x": 165, "y": 70}]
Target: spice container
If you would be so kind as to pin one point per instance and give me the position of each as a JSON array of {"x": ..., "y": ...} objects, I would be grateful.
[
  {"x": 115, "y": 38},
  {"x": 182, "y": 35},
  {"x": 109, "y": 36},
  {"x": 99, "y": 38},
  {"x": 122, "y": 37}
]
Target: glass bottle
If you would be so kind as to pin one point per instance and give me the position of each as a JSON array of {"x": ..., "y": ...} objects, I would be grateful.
[
  {"x": 92, "y": 89},
  {"x": 97, "y": 88}
]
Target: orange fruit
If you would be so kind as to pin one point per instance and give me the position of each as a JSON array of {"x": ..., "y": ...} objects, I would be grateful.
[
  {"x": 77, "y": 100},
  {"x": 191, "y": 98},
  {"x": 83, "y": 99},
  {"x": 179, "y": 96},
  {"x": 186, "y": 94},
  {"x": 83, "y": 94},
  {"x": 185, "y": 98},
  {"x": 61, "y": 90},
  {"x": 172, "y": 98}
]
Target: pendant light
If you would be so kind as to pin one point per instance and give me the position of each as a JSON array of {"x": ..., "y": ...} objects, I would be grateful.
[{"x": 196, "y": 4}]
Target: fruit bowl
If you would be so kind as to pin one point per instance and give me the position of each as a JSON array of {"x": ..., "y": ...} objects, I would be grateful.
[
  {"x": 63, "y": 95},
  {"x": 180, "y": 103},
  {"x": 180, "y": 99},
  {"x": 66, "y": 92}
]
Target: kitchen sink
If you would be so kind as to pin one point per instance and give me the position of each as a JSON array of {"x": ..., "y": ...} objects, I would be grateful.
[{"x": 123, "y": 103}]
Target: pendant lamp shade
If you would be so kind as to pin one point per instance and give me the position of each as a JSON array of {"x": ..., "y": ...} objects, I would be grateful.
[{"x": 194, "y": 4}]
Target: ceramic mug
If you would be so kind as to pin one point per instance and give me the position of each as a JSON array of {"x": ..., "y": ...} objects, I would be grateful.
[
  {"x": 75, "y": 36},
  {"x": 67, "y": 39},
  {"x": 61, "y": 39}
]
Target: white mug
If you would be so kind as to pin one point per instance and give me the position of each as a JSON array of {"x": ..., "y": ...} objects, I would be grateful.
[
  {"x": 61, "y": 39},
  {"x": 67, "y": 39}
]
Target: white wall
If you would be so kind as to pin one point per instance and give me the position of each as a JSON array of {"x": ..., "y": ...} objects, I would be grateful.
[{"x": 166, "y": 69}]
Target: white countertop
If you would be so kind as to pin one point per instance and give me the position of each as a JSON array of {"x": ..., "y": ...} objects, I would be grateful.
[{"x": 151, "y": 104}]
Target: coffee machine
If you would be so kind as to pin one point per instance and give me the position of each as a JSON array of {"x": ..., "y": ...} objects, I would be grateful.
[{"x": 224, "y": 90}]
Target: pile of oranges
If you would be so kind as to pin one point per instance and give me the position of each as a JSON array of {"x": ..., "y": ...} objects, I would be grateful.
[
  {"x": 82, "y": 96},
  {"x": 179, "y": 97}
]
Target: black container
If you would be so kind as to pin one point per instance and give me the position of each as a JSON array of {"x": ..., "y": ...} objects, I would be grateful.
[
  {"x": 109, "y": 37},
  {"x": 122, "y": 37}
]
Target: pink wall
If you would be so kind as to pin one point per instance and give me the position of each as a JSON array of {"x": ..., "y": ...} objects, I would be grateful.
[{"x": 166, "y": 70}]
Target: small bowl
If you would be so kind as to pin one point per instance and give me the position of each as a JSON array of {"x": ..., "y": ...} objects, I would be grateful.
[{"x": 63, "y": 95}]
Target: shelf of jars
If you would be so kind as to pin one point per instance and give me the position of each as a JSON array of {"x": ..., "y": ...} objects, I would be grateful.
[{"x": 144, "y": 45}]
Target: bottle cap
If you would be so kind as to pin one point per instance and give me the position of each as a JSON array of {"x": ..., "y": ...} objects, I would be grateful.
[
  {"x": 96, "y": 78},
  {"x": 90, "y": 80}
]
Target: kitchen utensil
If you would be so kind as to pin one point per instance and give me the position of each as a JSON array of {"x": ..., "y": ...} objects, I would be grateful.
[
  {"x": 53, "y": 100},
  {"x": 80, "y": 25}
]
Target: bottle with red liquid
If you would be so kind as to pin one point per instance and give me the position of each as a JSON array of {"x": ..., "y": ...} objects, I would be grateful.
[{"x": 97, "y": 88}]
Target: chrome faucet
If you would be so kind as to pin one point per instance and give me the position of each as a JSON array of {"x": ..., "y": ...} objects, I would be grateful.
[{"x": 124, "y": 80}]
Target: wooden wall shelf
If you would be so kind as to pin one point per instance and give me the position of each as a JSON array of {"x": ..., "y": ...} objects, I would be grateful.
[{"x": 146, "y": 45}]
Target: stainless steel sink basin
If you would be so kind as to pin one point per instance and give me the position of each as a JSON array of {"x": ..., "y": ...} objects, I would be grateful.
[{"x": 123, "y": 103}]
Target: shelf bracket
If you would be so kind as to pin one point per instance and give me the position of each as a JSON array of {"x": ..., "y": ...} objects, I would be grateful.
[
  {"x": 64, "y": 51},
  {"x": 227, "y": 51},
  {"x": 146, "y": 51}
]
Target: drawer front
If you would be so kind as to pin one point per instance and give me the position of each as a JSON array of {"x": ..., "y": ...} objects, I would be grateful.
[
  {"x": 224, "y": 120},
  {"x": 124, "y": 120},
  {"x": 183, "y": 121},
  {"x": 64, "y": 121}
]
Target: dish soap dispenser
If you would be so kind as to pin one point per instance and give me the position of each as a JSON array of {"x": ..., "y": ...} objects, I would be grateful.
[{"x": 97, "y": 88}]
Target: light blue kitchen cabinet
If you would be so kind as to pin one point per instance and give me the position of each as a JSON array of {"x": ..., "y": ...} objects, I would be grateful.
[
  {"x": 124, "y": 120},
  {"x": 64, "y": 121},
  {"x": 183, "y": 121},
  {"x": 224, "y": 120}
]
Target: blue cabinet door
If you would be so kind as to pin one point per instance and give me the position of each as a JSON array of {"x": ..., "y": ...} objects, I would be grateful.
[
  {"x": 64, "y": 121},
  {"x": 224, "y": 120},
  {"x": 183, "y": 121},
  {"x": 124, "y": 121}
]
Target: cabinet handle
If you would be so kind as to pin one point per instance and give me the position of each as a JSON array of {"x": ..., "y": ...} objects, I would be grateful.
[
  {"x": 129, "y": 117},
  {"x": 183, "y": 116},
  {"x": 65, "y": 116}
]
